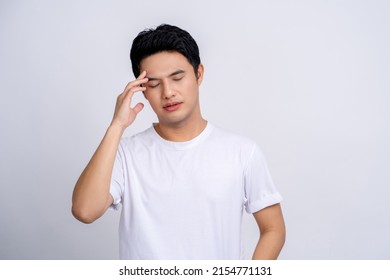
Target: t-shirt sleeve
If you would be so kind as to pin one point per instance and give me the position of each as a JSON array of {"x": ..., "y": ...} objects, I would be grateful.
[
  {"x": 260, "y": 191},
  {"x": 117, "y": 178}
]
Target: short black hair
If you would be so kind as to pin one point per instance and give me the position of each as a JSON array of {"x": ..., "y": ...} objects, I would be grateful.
[{"x": 164, "y": 38}]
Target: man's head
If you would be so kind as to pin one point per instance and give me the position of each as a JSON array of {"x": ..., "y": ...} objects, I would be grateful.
[{"x": 164, "y": 38}]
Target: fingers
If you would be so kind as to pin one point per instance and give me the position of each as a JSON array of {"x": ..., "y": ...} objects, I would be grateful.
[
  {"x": 131, "y": 88},
  {"x": 137, "y": 108},
  {"x": 124, "y": 115},
  {"x": 136, "y": 85}
]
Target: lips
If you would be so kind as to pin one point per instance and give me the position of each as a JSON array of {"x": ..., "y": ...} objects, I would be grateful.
[{"x": 172, "y": 106}]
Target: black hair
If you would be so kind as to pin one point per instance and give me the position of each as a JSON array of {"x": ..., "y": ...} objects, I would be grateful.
[{"x": 164, "y": 38}]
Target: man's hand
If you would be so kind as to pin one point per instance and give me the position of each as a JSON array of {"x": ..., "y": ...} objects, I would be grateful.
[{"x": 125, "y": 115}]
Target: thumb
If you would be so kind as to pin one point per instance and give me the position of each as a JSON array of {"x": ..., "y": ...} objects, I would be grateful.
[{"x": 138, "y": 108}]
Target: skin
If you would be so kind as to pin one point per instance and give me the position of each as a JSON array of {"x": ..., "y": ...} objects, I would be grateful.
[
  {"x": 171, "y": 87},
  {"x": 171, "y": 80},
  {"x": 272, "y": 233}
]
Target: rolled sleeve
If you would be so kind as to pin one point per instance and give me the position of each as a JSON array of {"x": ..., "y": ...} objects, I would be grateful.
[{"x": 260, "y": 190}]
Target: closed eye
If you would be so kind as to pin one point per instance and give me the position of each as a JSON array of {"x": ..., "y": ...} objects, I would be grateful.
[
  {"x": 178, "y": 76},
  {"x": 154, "y": 85}
]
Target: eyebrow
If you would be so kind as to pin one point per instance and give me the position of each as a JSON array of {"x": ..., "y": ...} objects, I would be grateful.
[{"x": 170, "y": 75}]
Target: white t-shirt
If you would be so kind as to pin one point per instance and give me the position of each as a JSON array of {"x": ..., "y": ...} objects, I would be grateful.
[{"x": 185, "y": 200}]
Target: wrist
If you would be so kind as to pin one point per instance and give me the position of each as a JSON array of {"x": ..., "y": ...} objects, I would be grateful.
[{"x": 116, "y": 128}]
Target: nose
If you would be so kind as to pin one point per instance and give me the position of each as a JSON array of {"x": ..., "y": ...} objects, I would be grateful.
[{"x": 167, "y": 93}]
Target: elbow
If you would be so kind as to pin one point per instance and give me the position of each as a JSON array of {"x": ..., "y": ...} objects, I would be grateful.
[{"x": 83, "y": 215}]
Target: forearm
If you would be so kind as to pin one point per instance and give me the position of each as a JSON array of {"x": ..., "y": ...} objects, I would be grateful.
[
  {"x": 91, "y": 194},
  {"x": 269, "y": 245}
]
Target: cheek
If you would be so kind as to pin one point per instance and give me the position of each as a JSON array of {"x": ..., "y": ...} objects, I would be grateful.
[
  {"x": 150, "y": 93},
  {"x": 191, "y": 87},
  {"x": 188, "y": 85},
  {"x": 152, "y": 98}
]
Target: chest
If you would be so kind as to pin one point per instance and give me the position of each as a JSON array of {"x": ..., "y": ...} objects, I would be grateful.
[{"x": 213, "y": 177}]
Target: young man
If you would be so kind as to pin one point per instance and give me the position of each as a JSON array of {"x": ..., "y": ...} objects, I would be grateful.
[{"x": 183, "y": 183}]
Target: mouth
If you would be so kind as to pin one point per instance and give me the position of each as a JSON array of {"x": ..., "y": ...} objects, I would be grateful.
[{"x": 172, "y": 106}]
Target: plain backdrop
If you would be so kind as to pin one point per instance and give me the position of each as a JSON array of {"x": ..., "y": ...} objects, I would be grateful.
[{"x": 308, "y": 80}]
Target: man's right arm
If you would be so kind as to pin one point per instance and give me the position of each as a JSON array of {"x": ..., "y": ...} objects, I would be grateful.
[{"x": 91, "y": 195}]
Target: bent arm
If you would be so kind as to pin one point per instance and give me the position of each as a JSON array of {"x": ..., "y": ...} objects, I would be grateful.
[
  {"x": 91, "y": 195},
  {"x": 272, "y": 233}
]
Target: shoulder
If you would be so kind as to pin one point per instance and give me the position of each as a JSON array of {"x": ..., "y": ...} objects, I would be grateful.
[
  {"x": 143, "y": 138},
  {"x": 233, "y": 144},
  {"x": 231, "y": 138}
]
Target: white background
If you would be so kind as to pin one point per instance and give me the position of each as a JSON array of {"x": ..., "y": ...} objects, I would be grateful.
[{"x": 308, "y": 80}]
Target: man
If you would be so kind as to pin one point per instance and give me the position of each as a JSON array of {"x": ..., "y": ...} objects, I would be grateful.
[{"x": 183, "y": 183}]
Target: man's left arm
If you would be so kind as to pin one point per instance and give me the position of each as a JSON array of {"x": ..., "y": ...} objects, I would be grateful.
[{"x": 272, "y": 233}]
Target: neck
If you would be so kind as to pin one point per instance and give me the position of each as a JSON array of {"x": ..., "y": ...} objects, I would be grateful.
[{"x": 182, "y": 132}]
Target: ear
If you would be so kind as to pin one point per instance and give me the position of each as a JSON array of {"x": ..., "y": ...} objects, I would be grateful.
[{"x": 200, "y": 74}]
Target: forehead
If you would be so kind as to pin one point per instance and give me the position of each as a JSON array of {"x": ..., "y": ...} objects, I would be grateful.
[{"x": 164, "y": 63}]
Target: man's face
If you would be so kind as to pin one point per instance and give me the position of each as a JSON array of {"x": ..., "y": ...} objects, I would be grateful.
[{"x": 173, "y": 88}]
